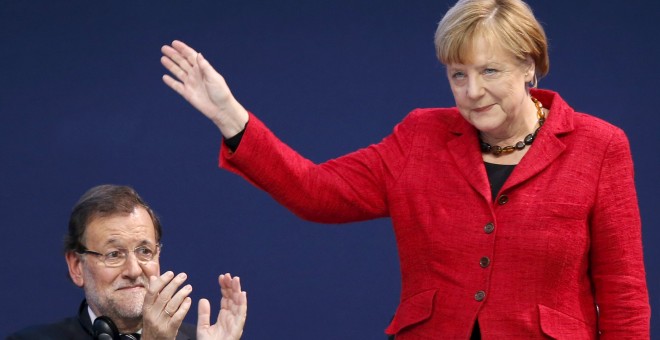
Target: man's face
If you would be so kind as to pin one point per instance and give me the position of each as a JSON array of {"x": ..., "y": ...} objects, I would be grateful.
[{"x": 116, "y": 292}]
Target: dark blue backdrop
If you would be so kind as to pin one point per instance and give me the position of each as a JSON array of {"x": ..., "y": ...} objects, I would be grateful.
[{"x": 82, "y": 103}]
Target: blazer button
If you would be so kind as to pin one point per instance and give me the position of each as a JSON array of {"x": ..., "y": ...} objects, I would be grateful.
[
  {"x": 489, "y": 228},
  {"x": 502, "y": 200},
  {"x": 484, "y": 262},
  {"x": 480, "y": 295}
]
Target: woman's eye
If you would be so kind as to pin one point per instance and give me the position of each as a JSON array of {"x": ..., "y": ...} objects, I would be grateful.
[
  {"x": 490, "y": 71},
  {"x": 458, "y": 75}
]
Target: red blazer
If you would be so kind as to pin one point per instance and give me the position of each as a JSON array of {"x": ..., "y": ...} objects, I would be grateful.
[{"x": 562, "y": 237}]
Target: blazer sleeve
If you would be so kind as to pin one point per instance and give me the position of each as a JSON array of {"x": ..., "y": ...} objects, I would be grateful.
[
  {"x": 617, "y": 263},
  {"x": 345, "y": 189}
]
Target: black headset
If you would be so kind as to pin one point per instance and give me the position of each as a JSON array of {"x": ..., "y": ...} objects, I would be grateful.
[{"x": 105, "y": 329}]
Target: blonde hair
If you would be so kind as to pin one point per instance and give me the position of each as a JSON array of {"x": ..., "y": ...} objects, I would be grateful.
[{"x": 507, "y": 23}]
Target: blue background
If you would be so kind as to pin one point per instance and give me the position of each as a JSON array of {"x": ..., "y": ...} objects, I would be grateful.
[{"x": 82, "y": 103}]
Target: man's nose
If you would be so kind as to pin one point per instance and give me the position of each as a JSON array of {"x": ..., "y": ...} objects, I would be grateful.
[{"x": 132, "y": 267}]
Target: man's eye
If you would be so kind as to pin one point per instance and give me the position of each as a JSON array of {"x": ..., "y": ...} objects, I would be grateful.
[
  {"x": 113, "y": 255},
  {"x": 144, "y": 251}
]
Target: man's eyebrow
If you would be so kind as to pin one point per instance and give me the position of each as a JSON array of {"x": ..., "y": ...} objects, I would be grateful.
[{"x": 116, "y": 242}]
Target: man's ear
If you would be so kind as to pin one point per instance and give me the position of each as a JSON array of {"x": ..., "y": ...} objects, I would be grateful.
[{"x": 75, "y": 268}]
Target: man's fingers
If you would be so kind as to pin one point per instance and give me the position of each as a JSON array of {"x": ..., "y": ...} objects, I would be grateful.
[
  {"x": 177, "y": 301},
  {"x": 203, "y": 314},
  {"x": 179, "y": 313},
  {"x": 156, "y": 284},
  {"x": 229, "y": 285},
  {"x": 171, "y": 288},
  {"x": 162, "y": 290},
  {"x": 236, "y": 284},
  {"x": 233, "y": 299},
  {"x": 242, "y": 301}
]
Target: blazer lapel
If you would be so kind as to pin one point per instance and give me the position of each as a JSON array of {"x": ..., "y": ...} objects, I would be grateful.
[
  {"x": 463, "y": 146},
  {"x": 545, "y": 150},
  {"x": 547, "y": 147}
]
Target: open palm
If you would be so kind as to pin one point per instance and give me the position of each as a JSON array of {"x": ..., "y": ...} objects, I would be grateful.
[{"x": 231, "y": 318}]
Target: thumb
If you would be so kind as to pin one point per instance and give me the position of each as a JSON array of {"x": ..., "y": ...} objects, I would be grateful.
[{"x": 203, "y": 315}]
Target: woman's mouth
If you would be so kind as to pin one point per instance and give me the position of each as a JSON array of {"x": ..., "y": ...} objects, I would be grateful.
[{"x": 483, "y": 108}]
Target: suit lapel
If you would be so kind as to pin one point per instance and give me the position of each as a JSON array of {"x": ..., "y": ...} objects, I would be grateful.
[{"x": 83, "y": 318}]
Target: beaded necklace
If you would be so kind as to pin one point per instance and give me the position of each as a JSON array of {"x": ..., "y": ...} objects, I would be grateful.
[{"x": 529, "y": 139}]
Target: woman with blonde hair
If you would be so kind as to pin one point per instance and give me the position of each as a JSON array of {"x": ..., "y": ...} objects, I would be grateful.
[{"x": 515, "y": 216}]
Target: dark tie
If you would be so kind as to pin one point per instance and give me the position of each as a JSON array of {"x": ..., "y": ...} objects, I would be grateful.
[{"x": 134, "y": 336}]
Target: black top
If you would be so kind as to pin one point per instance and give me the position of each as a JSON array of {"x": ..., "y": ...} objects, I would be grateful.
[{"x": 497, "y": 175}]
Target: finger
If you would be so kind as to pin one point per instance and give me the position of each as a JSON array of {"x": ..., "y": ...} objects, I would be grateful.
[
  {"x": 156, "y": 284},
  {"x": 160, "y": 304},
  {"x": 203, "y": 314},
  {"x": 168, "y": 291},
  {"x": 236, "y": 284},
  {"x": 174, "y": 85},
  {"x": 177, "y": 300},
  {"x": 233, "y": 299},
  {"x": 238, "y": 298},
  {"x": 231, "y": 286},
  {"x": 180, "y": 58},
  {"x": 225, "y": 282},
  {"x": 239, "y": 315},
  {"x": 177, "y": 317},
  {"x": 186, "y": 51},
  {"x": 173, "y": 68},
  {"x": 241, "y": 310}
]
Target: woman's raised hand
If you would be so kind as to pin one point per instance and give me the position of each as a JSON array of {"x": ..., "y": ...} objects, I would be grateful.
[{"x": 201, "y": 85}]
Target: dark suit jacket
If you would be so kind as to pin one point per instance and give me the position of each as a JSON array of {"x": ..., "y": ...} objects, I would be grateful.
[
  {"x": 563, "y": 234},
  {"x": 79, "y": 327}
]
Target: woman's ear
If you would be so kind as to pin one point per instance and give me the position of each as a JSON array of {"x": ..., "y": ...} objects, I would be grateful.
[
  {"x": 530, "y": 69},
  {"x": 75, "y": 264}
]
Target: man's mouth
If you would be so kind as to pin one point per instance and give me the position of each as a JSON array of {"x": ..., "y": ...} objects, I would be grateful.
[{"x": 131, "y": 287}]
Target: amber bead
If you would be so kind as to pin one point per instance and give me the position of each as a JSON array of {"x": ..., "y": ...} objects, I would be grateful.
[{"x": 528, "y": 140}]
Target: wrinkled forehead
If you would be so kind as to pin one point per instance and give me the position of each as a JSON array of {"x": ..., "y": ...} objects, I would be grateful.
[{"x": 121, "y": 229}]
